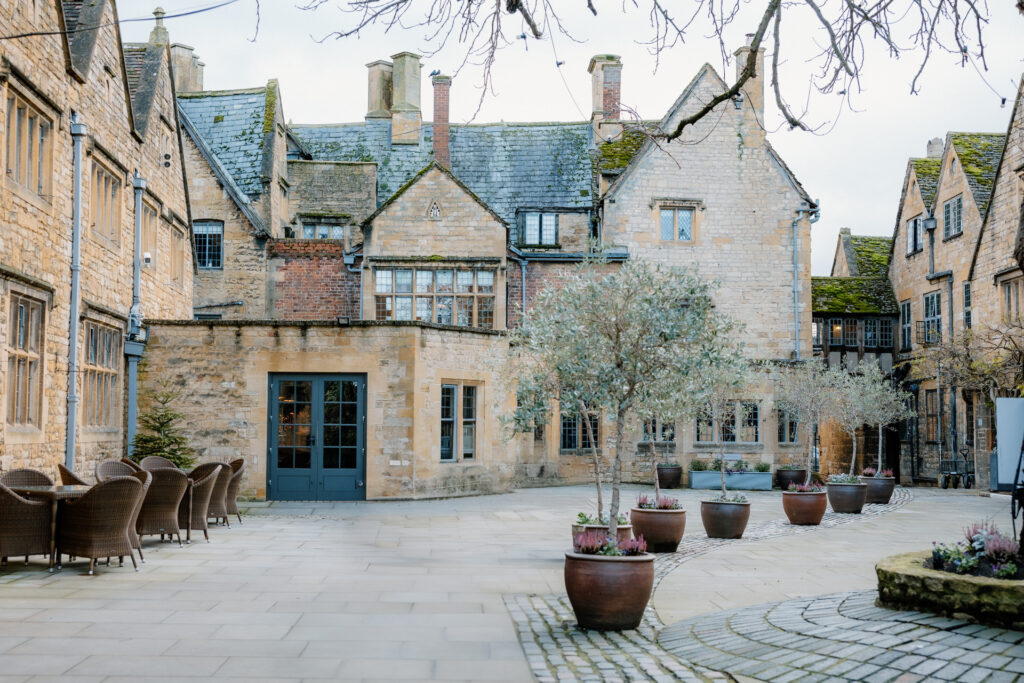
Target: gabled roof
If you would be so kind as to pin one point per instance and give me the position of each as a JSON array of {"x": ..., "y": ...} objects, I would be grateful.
[
  {"x": 83, "y": 20},
  {"x": 508, "y": 165},
  {"x": 222, "y": 174},
  {"x": 870, "y": 255},
  {"x": 853, "y": 295},
  {"x": 231, "y": 123},
  {"x": 927, "y": 172},
  {"x": 412, "y": 181},
  {"x": 142, "y": 62},
  {"x": 979, "y": 155}
]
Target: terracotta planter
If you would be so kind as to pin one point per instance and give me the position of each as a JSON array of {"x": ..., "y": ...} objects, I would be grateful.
[
  {"x": 787, "y": 477},
  {"x": 879, "y": 489},
  {"x": 609, "y": 593},
  {"x": 669, "y": 476},
  {"x": 661, "y": 529},
  {"x": 805, "y": 509},
  {"x": 847, "y": 498},
  {"x": 724, "y": 520},
  {"x": 624, "y": 532}
]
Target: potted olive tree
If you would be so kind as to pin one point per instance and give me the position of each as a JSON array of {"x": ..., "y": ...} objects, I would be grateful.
[
  {"x": 623, "y": 342},
  {"x": 887, "y": 405}
]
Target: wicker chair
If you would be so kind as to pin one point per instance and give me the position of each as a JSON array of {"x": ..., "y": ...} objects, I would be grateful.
[
  {"x": 156, "y": 462},
  {"x": 25, "y": 477},
  {"x": 218, "y": 509},
  {"x": 146, "y": 479},
  {"x": 231, "y": 498},
  {"x": 131, "y": 463},
  {"x": 96, "y": 525},
  {"x": 159, "y": 512},
  {"x": 69, "y": 478},
  {"x": 112, "y": 468},
  {"x": 192, "y": 513},
  {"x": 24, "y": 526}
]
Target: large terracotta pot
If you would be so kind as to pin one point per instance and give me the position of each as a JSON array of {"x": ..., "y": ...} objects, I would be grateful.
[
  {"x": 624, "y": 532},
  {"x": 661, "y": 529},
  {"x": 804, "y": 508},
  {"x": 848, "y": 498},
  {"x": 609, "y": 593},
  {"x": 787, "y": 477},
  {"x": 879, "y": 489},
  {"x": 669, "y": 476},
  {"x": 724, "y": 520}
]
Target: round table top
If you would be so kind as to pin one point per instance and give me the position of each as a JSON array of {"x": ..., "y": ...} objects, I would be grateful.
[{"x": 60, "y": 492}]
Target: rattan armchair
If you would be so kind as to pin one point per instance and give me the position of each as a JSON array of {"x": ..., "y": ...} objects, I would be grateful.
[
  {"x": 131, "y": 463},
  {"x": 146, "y": 479},
  {"x": 69, "y": 478},
  {"x": 159, "y": 512},
  {"x": 96, "y": 525},
  {"x": 24, "y": 526},
  {"x": 112, "y": 468},
  {"x": 231, "y": 498},
  {"x": 218, "y": 509},
  {"x": 25, "y": 477},
  {"x": 192, "y": 513},
  {"x": 156, "y": 462}
]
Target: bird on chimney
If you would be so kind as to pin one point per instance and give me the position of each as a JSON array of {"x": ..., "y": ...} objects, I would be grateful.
[{"x": 435, "y": 72}]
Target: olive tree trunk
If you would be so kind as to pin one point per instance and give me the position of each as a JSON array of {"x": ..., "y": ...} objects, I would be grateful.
[
  {"x": 613, "y": 510},
  {"x": 594, "y": 456}
]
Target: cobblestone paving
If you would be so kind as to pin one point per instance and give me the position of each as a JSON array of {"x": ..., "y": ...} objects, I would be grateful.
[
  {"x": 557, "y": 650},
  {"x": 845, "y": 637}
]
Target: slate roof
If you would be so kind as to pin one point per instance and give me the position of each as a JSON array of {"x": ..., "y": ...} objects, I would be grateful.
[
  {"x": 142, "y": 62},
  {"x": 230, "y": 122},
  {"x": 853, "y": 295},
  {"x": 979, "y": 155},
  {"x": 508, "y": 165},
  {"x": 927, "y": 172},
  {"x": 871, "y": 255}
]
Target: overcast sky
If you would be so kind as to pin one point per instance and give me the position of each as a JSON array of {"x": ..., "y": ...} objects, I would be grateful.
[{"x": 856, "y": 169}]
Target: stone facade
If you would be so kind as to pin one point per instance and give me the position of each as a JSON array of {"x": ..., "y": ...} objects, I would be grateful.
[{"x": 124, "y": 96}]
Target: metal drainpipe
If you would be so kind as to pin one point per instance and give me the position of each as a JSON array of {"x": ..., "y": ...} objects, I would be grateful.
[
  {"x": 952, "y": 389},
  {"x": 814, "y": 216},
  {"x": 135, "y": 344},
  {"x": 78, "y": 132},
  {"x": 522, "y": 274}
]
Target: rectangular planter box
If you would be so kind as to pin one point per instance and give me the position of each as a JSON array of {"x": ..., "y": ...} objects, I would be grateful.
[{"x": 744, "y": 481}]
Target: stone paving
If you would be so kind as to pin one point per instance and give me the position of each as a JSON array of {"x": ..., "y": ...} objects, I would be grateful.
[
  {"x": 845, "y": 637},
  {"x": 558, "y": 650}
]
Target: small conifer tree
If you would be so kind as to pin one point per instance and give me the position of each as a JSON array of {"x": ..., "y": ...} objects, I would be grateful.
[{"x": 159, "y": 434}]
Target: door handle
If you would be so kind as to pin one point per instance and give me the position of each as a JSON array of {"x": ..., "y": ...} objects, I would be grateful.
[{"x": 359, "y": 483}]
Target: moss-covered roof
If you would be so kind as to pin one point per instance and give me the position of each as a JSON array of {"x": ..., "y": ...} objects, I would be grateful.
[
  {"x": 616, "y": 155},
  {"x": 979, "y": 155},
  {"x": 852, "y": 295},
  {"x": 927, "y": 172},
  {"x": 871, "y": 254}
]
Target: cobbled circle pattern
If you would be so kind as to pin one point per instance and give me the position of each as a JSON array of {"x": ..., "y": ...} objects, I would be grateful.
[{"x": 558, "y": 650}]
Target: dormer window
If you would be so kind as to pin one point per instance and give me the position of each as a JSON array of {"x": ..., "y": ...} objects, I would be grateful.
[
  {"x": 539, "y": 229},
  {"x": 952, "y": 218}
]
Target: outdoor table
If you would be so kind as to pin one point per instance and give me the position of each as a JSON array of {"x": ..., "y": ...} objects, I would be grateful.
[{"x": 54, "y": 494}]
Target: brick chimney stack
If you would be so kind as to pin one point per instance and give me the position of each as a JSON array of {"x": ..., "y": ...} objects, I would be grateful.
[
  {"x": 442, "y": 89},
  {"x": 606, "y": 93}
]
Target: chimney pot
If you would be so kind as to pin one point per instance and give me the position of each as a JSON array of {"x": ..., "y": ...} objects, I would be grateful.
[{"x": 442, "y": 89}]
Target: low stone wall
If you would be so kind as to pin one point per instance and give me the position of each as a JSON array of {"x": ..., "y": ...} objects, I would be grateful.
[{"x": 905, "y": 583}]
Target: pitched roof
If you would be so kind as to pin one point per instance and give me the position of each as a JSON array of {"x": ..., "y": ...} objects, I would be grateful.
[
  {"x": 870, "y": 256},
  {"x": 853, "y": 295},
  {"x": 979, "y": 155},
  {"x": 83, "y": 21},
  {"x": 927, "y": 172},
  {"x": 508, "y": 165},
  {"x": 230, "y": 122},
  {"x": 142, "y": 62}
]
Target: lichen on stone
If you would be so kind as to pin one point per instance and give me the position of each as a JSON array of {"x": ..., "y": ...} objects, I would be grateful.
[{"x": 853, "y": 295}]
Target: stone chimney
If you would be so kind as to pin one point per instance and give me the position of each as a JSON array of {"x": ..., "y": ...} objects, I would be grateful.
[
  {"x": 606, "y": 94},
  {"x": 935, "y": 148},
  {"x": 378, "y": 98},
  {"x": 187, "y": 69},
  {"x": 753, "y": 90},
  {"x": 159, "y": 35},
  {"x": 405, "y": 99},
  {"x": 442, "y": 88}
]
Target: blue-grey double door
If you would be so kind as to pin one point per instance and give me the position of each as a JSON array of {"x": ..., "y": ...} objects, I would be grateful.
[{"x": 317, "y": 437}]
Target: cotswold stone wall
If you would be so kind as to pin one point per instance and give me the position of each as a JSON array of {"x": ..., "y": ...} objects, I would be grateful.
[
  {"x": 309, "y": 281},
  {"x": 222, "y": 368},
  {"x": 35, "y": 241}
]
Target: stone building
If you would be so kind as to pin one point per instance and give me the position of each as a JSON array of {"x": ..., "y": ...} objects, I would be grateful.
[
  {"x": 944, "y": 218},
  {"x": 379, "y": 262},
  {"x": 855, "y": 318},
  {"x": 75, "y": 97}
]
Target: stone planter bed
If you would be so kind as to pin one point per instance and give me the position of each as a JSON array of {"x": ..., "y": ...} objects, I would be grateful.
[
  {"x": 905, "y": 583},
  {"x": 743, "y": 481}
]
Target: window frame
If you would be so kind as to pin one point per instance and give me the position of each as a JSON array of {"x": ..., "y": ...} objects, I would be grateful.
[
  {"x": 101, "y": 376},
  {"x": 788, "y": 428},
  {"x": 968, "y": 314},
  {"x": 734, "y": 422},
  {"x": 150, "y": 234},
  {"x": 1009, "y": 297},
  {"x": 675, "y": 210},
  {"x": 933, "y": 316},
  {"x": 39, "y": 139},
  {"x": 315, "y": 226},
  {"x": 906, "y": 326},
  {"x": 106, "y": 204},
  {"x": 204, "y": 247},
  {"x": 572, "y": 426},
  {"x": 460, "y": 390},
  {"x": 177, "y": 257},
  {"x": 27, "y": 351},
  {"x": 524, "y": 218},
  {"x": 953, "y": 216},
  {"x": 665, "y": 432},
  {"x": 444, "y": 304},
  {"x": 933, "y": 413},
  {"x": 915, "y": 234},
  {"x": 835, "y": 331}
]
